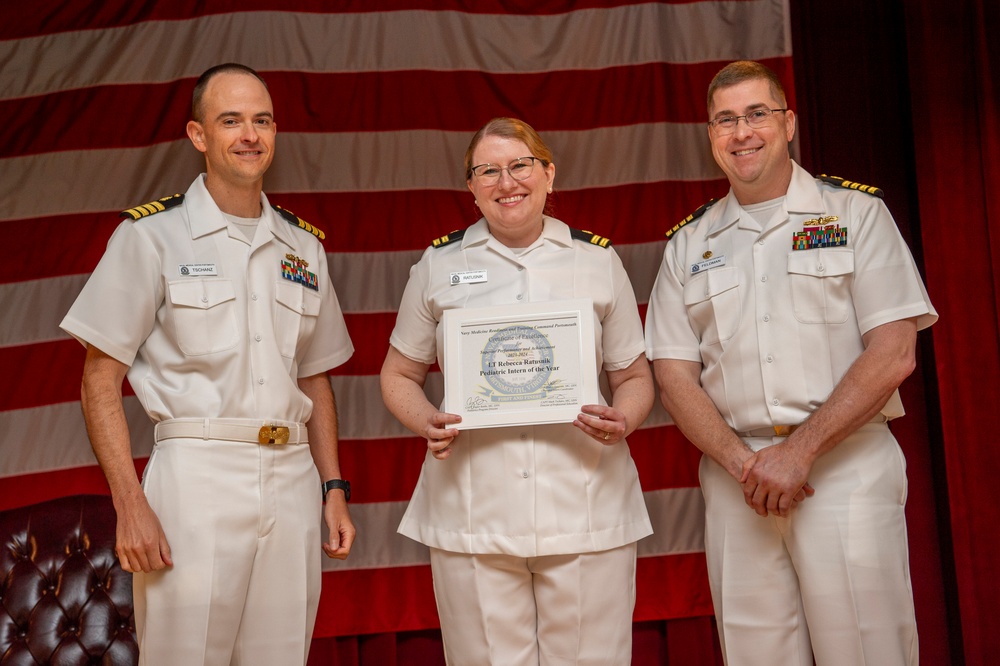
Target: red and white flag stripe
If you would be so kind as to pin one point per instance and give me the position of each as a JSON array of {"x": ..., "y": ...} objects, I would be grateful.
[{"x": 375, "y": 104}]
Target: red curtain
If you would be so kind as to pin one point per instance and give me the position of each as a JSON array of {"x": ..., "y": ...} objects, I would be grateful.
[
  {"x": 954, "y": 64},
  {"x": 905, "y": 96}
]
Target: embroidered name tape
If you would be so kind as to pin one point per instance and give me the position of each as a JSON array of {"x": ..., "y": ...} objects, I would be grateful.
[
  {"x": 468, "y": 277},
  {"x": 708, "y": 263},
  {"x": 198, "y": 269}
]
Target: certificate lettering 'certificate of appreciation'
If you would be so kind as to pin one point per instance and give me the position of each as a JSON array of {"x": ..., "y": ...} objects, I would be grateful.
[{"x": 522, "y": 364}]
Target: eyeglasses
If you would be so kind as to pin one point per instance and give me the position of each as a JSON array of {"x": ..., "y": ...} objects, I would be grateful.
[
  {"x": 519, "y": 169},
  {"x": 755, "y": 120}
]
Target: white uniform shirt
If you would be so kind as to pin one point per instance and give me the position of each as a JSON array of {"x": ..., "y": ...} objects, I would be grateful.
[
  {"x": 528, "y": 490},
  {"x": 207, "y": 323},
  {"x": 777, "y": 328}
]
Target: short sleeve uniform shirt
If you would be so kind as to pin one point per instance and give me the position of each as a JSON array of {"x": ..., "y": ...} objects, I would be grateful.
[
  {"x": 529, "y": 490},
  {"x": 210, "y": 326},
  {"x": 776, "y": 319}
]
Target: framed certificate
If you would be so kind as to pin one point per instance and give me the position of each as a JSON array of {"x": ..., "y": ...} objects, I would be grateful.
[{"x": 522, "y": 364}]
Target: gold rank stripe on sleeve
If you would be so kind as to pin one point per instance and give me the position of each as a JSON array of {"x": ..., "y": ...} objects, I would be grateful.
[
  {"x": 851, "y": 185},
  {"x": 590, "y": 237},
  {"x": 448, "y": 238},
  {"x": 690, "y": 218},
  {"x": 152, "y": 207},
  {"x": 297, "y": 221}
]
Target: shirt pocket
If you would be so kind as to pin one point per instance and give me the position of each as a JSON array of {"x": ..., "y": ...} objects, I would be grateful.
[
  {"x": 821, "y": 284},
  {"x": 204, "y": 315},
  {"x": 712, "y": 299},
  {"x": 295, "y": 317}
]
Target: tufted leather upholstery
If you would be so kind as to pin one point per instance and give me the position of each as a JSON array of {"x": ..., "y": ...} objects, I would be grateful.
[{"x": 64, "y": 599}]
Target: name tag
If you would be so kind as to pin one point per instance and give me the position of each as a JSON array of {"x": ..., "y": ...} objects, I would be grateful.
[
  {"x": 708, "y": 263},
  {"x": 468, "y": 277},
  {"x": 198, "y": 269}
]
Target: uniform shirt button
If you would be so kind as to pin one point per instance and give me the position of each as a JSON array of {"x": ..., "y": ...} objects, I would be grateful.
[
  {"x": 204, "y": 299},
  {"x": 260, "y": 381},
  {"x": 775, "y": 402},
  {"x": 520, "y": 268},
  {"x": 760, "y": 242},
  {"x": 525, "y": 474},
  {"x": 766, "y": 318},
  {"x": 257, "y": 337},
  {"x": 820, "y": 268},
  {"x": 253, "y": 296},
  {"x": 523, "y": 437},
  {"x": 769, "y": 358},
  {"x": 520, "y": 296},
  {"x": 763, "y": 278}
]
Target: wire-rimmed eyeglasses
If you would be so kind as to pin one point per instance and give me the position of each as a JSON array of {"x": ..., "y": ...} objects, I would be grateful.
[
  {"x": 519, "y": 169},
  {"x": 755, "y": 119}
]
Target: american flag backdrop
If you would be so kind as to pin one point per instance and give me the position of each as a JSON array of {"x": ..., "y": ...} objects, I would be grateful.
[{"x": 375, "y": 103}]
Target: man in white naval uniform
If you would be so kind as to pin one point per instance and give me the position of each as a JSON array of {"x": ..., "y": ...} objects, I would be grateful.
[
  {"x": 781, "y": 323},
  {"x": 220, "y": 310}
]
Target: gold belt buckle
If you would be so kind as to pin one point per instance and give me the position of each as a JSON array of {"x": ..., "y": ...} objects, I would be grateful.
[
  {"x": 273, "y": 435},
  {"x": 784, "y": 430}
]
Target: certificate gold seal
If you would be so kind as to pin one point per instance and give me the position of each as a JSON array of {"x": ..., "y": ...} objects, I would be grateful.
[{"x": 517, "y": 362}]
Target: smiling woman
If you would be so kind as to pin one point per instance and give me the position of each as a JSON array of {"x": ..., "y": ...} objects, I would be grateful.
[
  {"x": 512, "y": 198},
  {"x": 524, "y": 522}
]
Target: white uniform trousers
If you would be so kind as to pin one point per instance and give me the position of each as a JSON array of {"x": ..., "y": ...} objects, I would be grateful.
[
  {"x": 243, "y": 524},
  {"x": 551, "y": 610},
  {"x": 832, "y": 579}
]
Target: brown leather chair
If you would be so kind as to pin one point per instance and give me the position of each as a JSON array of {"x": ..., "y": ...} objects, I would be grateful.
[{"x": 64, "y": 599}]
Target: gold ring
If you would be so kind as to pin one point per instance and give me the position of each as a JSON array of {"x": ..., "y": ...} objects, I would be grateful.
[{"x": 607, "y": 436}]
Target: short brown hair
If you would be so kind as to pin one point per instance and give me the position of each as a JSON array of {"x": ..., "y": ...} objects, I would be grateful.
[
  {"x": 745, "y": 70},
  {"x": 208, "y": 75}
]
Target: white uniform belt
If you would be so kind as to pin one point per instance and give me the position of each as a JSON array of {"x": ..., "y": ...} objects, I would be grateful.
[
  {"x": 233, "y": 430},
  {"x": 786, "y": 430}
]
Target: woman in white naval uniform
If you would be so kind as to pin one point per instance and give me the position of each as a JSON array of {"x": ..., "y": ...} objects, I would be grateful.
[{"x": 532, "y": 529}]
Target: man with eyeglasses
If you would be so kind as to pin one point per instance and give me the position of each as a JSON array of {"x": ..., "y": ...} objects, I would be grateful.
[{"x": 783, "y": 319}]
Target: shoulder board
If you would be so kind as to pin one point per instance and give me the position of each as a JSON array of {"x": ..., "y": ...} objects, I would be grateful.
[
  {"x": 448, "y": 238},
  {"x": 691, "y": 218},
  {"x": 297, "y": 221},
  {"x": 590, "y": 237},
  {"x": 850, "y": 185},
  {"x": 152, "y": 207}
]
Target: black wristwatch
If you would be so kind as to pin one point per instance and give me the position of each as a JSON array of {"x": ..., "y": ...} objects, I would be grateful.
[{"x": 340, "y": 484}]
